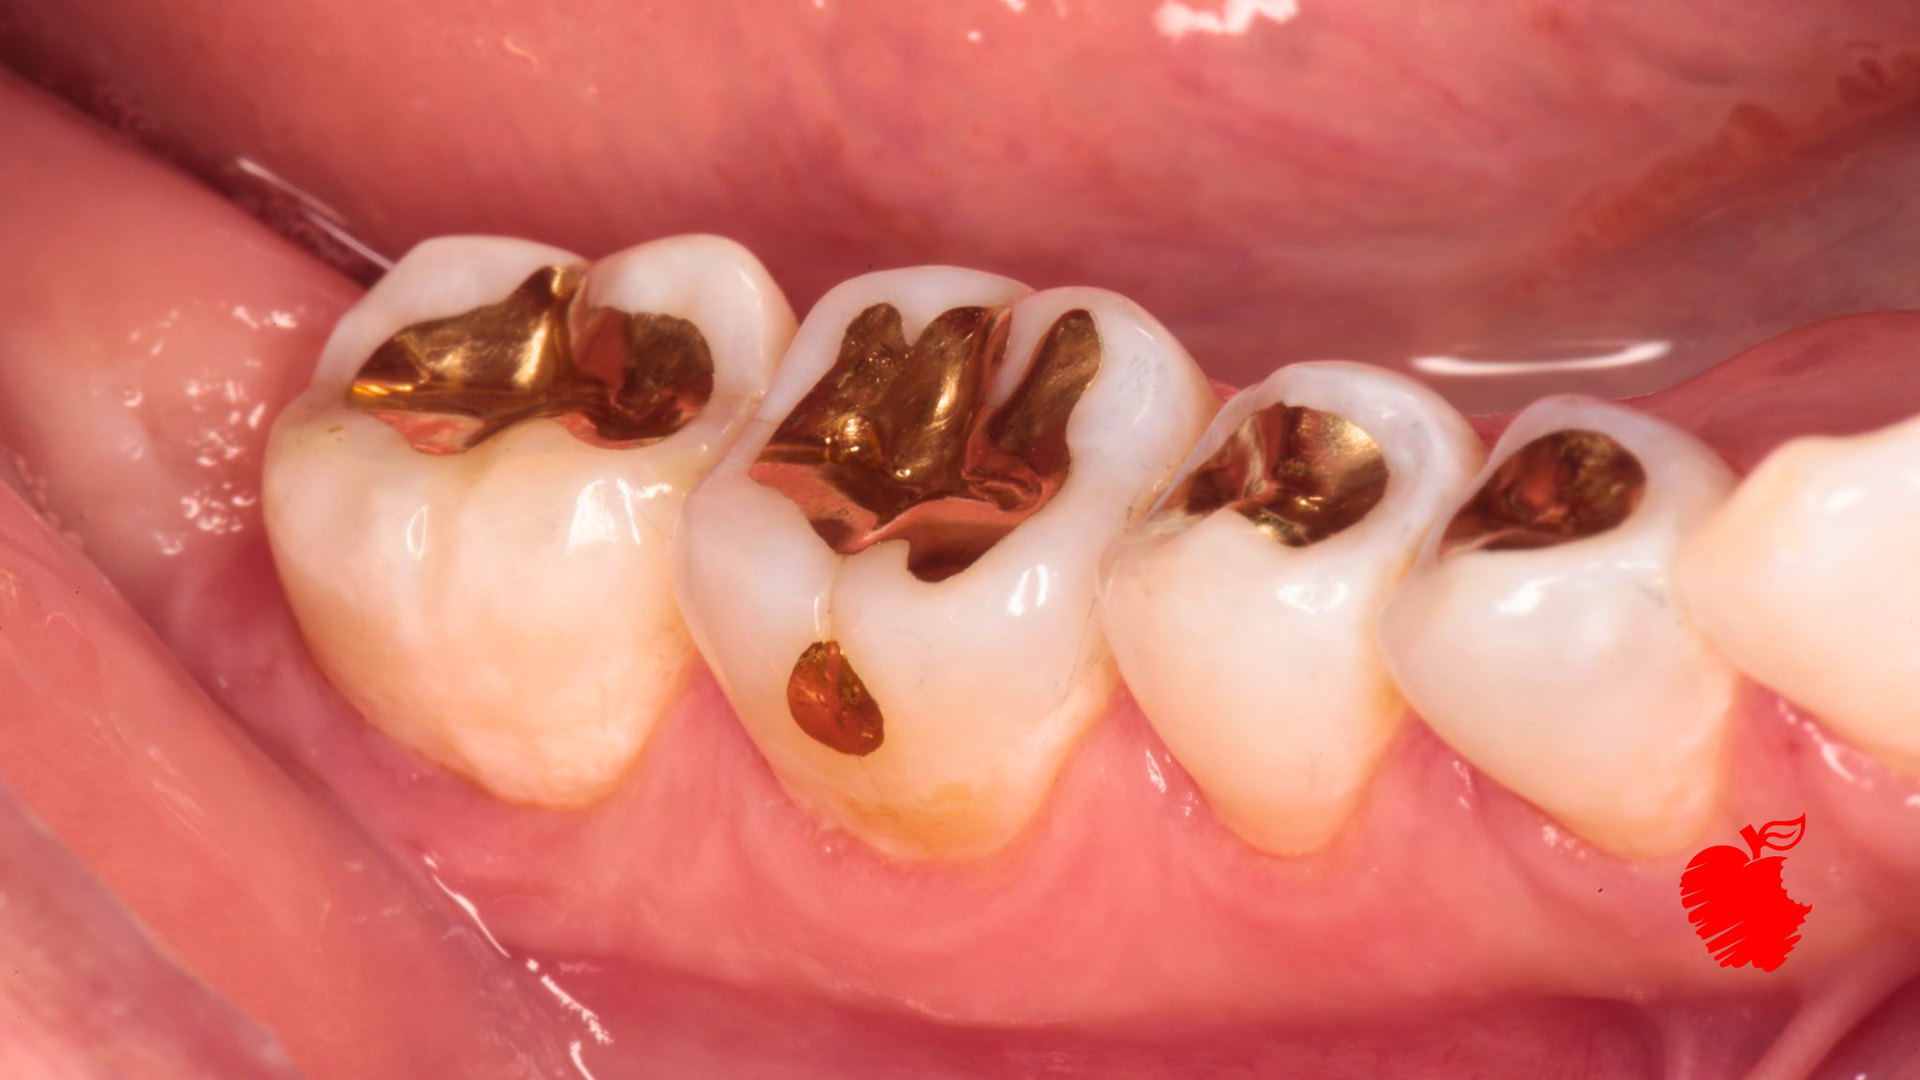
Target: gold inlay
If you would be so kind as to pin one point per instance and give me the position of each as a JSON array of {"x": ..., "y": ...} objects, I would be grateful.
[
  {"x": 894, "y": 442},
  {"x": 1558, "y": 488},
  {"x": 1300, "y": 475},
  {"x": 831, "y": 704},
  {"x": 611, "y": 378}
]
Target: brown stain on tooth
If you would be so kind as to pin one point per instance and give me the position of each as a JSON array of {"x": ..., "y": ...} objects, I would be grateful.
[
  {"x": 612, "y": 378},
  {"x": 1565, "y": 486},
  {"x": 831, "y": 704},
  {"x": 894, "y": 441},
  {"x": 1300, "y": 475}
]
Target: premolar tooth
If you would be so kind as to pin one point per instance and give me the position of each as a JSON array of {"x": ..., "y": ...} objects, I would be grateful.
[
  {"x": 1242, "y": 612},
  {"x": 471, "y": 505},
  {"x": 1541, "y": 636},
  {"x": 1804, "y": 578},
  {"x": 892, "y": 573}
]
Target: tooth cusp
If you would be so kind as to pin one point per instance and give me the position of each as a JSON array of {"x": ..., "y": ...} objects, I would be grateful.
[{"x": 831, "y": 704}]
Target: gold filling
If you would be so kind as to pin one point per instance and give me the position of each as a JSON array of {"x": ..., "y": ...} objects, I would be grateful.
[
  {"x": 1300, "y": 475},
  {"x": 831, "y": 704},
  {"x": 1558, "y": 488},
  {"x": 893, "y": 442},
  {"x": 611, "y": 378}
]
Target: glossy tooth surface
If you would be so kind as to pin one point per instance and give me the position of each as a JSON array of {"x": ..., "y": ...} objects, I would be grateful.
[
  {"x": 982, "y": 681},
  {"x": 507, "y": 610},
  {"x": 1805, "y": 579},
  {"x": 1569, "y": 671},
  {"x": 1252, "y": 649}
]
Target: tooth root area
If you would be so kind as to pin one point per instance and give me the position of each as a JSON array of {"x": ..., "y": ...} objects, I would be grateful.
[
  {"x": 1541, "y": 636},
  {"x": 1299, "y": 474},
  {"x": 1242, "y": 611},
  {"x": 1805, "y": 578},
  {"x": 896, "y": 442},
  {"x": 497, "y": 595},
  {"x": 612, "y": 378},
  {"x": 1563, "y": 486}
]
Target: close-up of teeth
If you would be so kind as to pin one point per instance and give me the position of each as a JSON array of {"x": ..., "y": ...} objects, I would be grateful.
[
  {"x": 977, "y": 540},
  {"x": 472, "y": 519},
  {"x": 1541, "y": 635},
  {"x": 1243, "y": 610},
  {"x": 892, "y": 573}
]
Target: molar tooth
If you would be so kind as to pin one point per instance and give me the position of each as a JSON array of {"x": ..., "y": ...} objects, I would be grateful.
[
  {"x": 892, "y": 572},
  {"x": 1242, "y": 611},
  {"x": 1803, "y": 578},
  {"x": 471, "y": 505},
  {"x": 1541, "y": 635}
]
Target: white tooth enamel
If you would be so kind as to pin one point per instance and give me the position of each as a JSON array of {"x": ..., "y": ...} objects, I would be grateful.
[
  {"x": 1570, "y": 673},
  {"x": 985, "y": 680},
  {"x": 1805, "y": 579},
  {"x": 507, "y": 611},
  {"x": 1257, "y": 662}
]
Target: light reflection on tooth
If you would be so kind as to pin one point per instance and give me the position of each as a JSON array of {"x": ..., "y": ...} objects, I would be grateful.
[
  {"x": 501, "y": 603},
  {"x": 1247, "y": 636},
  {"x": 963, "y": 590},
  {"x": 1805, "y": 578},
  {"x": 1546, "y": 642}
]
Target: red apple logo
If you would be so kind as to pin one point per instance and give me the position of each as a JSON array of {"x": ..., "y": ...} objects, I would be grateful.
[{"x": 1737, "y": 902}]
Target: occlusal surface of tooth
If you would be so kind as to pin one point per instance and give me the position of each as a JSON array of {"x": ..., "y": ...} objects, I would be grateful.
[
  {"x": 892, "y": 573},
  {"x": 1242, "y": 611},
  {"x": 471, "y": 505},
  {"x": 1542, "y": 637},
  {"x": 1805, "y": 579}
]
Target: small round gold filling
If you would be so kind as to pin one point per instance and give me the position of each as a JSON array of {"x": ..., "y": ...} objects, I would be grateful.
[
  {"x": 830, "y": 703},
  {"x": 1561, "y": 487},
  {"x": 1300, "y": 475},
  {"x": 611, "y": 378},
  {"x": 895, "y": 443}
]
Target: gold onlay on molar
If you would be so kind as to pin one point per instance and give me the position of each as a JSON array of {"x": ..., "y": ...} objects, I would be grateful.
[
  {"x": 831, "y": 704},
  {"x": 1561, "y": 487},
  {"x": 611, "y": 378},
  {"x": 893, "y": 442},
  {"x": 1300, "y": 475}
]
